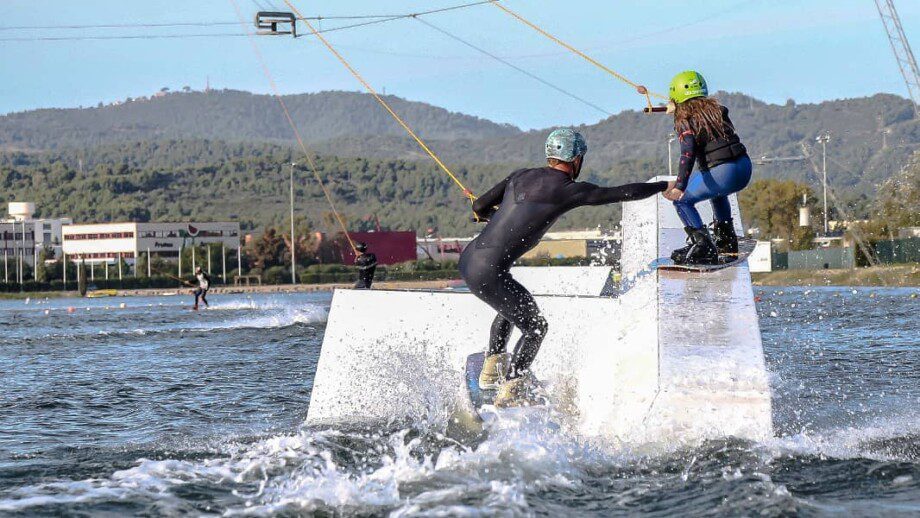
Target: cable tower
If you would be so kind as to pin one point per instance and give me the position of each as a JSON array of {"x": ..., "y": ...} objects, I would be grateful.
[{"x": 901, "y": 48}]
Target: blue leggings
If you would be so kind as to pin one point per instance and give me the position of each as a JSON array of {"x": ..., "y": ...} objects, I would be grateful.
[{"x": 714, "y": 185}]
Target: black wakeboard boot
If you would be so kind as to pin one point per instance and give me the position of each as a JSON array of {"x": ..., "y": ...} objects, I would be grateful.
[
  {"x": 679, "y": 256},
  {"x": 700, "y": 250},
  {"x": 724, "y": 237}
]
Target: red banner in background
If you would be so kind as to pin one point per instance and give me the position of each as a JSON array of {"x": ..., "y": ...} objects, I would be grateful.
[{"x": 390, "y": 247}]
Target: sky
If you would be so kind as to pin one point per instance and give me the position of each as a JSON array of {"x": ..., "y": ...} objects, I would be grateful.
[{"x": 775, "y": 50}]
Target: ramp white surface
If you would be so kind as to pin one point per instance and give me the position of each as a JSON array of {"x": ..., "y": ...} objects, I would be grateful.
[
  {"x": 407, "y": 363},
  {"x": 676, "y": 356},
  {"x": 564, "y": 280}
]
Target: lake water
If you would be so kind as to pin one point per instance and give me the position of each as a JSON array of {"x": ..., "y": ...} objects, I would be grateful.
[{"x": 153, "y": 409}]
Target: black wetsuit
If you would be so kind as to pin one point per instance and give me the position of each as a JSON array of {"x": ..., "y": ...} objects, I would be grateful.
[
  {"x": 367, "y": 265},
  {"x": 529, "y": 202}
]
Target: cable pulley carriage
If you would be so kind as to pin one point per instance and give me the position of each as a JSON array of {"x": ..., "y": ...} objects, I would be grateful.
[{"x": 276, "y": 23}]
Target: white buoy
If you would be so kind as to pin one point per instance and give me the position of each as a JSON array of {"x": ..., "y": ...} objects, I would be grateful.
[
  {"x": 28, "y": 300},
  {"x": 47, "y": 311},
  {"x": 122, "y": 305}
]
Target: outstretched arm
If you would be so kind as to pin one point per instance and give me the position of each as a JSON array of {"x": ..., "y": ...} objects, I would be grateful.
[
  {"x": 687, "y": 158},
  {"x": 484, "y": 206},
  {"x": 590, "y": 194},
  {"x": 368, "y": 261}
]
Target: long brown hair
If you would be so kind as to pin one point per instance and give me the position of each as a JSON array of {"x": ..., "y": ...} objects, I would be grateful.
[{"x": 701, "y": 115}]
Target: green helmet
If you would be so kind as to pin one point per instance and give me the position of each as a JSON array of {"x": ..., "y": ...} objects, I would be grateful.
[
  {"x": 565, "y": 144},
  {"x": 688, "y": 85}
]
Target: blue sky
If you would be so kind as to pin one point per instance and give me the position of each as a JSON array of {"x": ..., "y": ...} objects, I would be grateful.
[{"x": 775, "y": 50}]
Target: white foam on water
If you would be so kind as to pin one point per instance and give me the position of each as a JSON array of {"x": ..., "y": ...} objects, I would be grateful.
[
  {"x": 283, "y": 317},
  {"x": 248, "y": 304},
  {"x": 300, "y": 472},
  {"x": 404, "y": 475},
  {"x": 272, "y": 315},
  {"x": 851, "y": 442}
]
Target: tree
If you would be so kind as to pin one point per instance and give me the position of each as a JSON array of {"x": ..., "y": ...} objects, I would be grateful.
[
  {"x": 81, "y": 278},
  {"x": 898, "y": 202},
  {"x": 773, "y": 207},
  {"x": 46, "y": 272},
  {"x": 268, "y": 250},
  {"x": 305, "y": 243}
]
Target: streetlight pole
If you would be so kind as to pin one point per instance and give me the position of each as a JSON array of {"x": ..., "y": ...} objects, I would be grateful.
[
  {"x": 293, "y": 243},
  {"x": 823, "y": 139}
]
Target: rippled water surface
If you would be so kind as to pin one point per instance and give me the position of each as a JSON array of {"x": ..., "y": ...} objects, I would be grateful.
[{"x": 153, "y": 409}]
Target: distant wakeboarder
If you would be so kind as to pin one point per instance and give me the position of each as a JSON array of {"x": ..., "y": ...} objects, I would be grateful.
[
  {"x": 520, "y": 210},
  {"x": 367, "y": 266},
  {"x": 201, "y": 291}
]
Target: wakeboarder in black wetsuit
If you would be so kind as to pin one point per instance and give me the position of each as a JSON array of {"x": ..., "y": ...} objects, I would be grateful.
[
  {"x": 519, "y": 210},
  {"x": 367, "y": 265}
]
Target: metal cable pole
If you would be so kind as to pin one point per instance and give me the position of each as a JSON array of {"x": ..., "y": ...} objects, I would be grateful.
[
  {"x": 293, "y": 243},
  {"x": 903, "y": 54},
  {"x": 823, "y": 139}
]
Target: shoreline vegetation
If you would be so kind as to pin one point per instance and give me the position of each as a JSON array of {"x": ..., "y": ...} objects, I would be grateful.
[
  {"x": 895, "y": 276},
  {"x": 890, "y": 276}
]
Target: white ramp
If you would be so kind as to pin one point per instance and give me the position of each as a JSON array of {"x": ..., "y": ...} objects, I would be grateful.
[
  {"x": 712, "y": 376},
  {"x": 565, "y": 280},
  {"x": 674, "y": 356}
]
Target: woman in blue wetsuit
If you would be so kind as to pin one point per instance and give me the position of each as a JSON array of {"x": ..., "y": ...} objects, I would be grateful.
[
  {"x": 707, "y": 137},
  {"x": 519, "y": 210}
]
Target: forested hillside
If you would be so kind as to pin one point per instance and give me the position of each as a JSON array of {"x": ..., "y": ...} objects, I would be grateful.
[
  {"x": 871, "y": 138},
  {"x": 214, "y": 180},
  {"x": 234, "y": 116},
  {"x": 146, "y": 161}
]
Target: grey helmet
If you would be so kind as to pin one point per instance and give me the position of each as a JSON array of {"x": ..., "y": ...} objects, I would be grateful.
[{"x": 565, "y": 144}]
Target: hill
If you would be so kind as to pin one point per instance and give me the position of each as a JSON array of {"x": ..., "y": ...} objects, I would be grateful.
[
  {"x": 221, "y": 155},
  {"x": 233, "y": 116},
  {"x": 871, "y": 138}
]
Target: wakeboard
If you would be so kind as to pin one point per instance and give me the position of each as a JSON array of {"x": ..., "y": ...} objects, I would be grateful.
[
  {"x": 468, "y": 422},
  {"x": 478, "y": 396},
  {"x": 745, "y": 248}
]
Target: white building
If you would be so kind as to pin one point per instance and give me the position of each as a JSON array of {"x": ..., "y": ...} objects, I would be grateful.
[
  {"x": 107, "y": 242},
  {"x": 22, "y": 237}
]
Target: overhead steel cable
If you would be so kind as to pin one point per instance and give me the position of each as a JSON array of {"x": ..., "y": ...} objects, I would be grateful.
[
  {"x": 376, "y": 18},
  {"x": 515, "y": 67},
  {"x": 308, "y": 155},
  {"x": 370, "y": 89},
  {"x": 642, "y": 90},
  {"x": 306, "y": 19},
  {"x": 114, "y": 26},
  {"x": 127, "y": 37}
]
